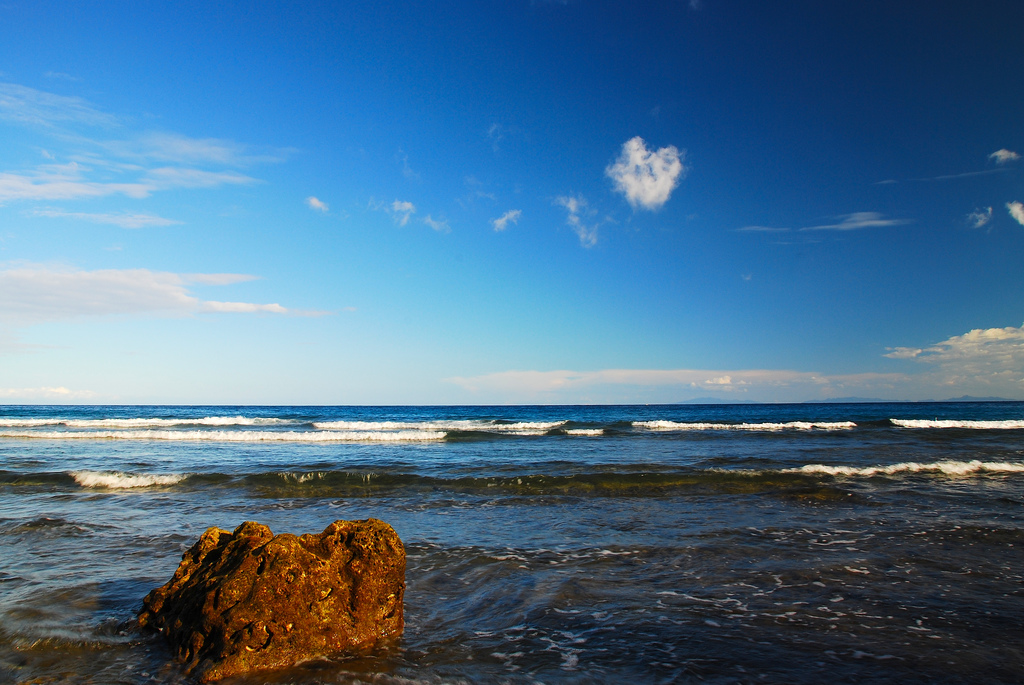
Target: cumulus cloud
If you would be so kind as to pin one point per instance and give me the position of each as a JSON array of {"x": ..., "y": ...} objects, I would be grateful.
[
  {"x": 979, "y": 217},
  {"x": 857, "y": 220},
  {"x": 509, "y": 217},
  {"x": 646, "y": 178},
  {"x": 36, "y": 293},
  {"x": 441, "y": 226},
  {"x": 987, "y": 358},
  {"x": 1016, "y": 210},
  {"x": 402, "y": 210},
  {"x": 577, "y": 209},
  {"x": 316, "y": 204},
  {"x": 1003, "y": 156},
  {"x": 123, "y": 219}
]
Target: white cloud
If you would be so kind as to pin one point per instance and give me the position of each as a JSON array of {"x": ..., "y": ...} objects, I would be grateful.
[
  {"x": 63, "y": 182},
  {"x": 316, "y": 204},
  {"x": 1003, "y": 156},
  {"x": 577, "y": 209},
  {"x": 646, "y": 178},
  {"x": 243, "y": 307},
  {"x": 672, "y": 384},
  {"x": 1016, "y": 211},
  {"x": 29, "y": 106},
  {"x": 178, "y": 177},
  {"x": 857, "y": 220},
  {"x": 124, "y": 219},
  {"x": 59, "y": 393},
  {"x": 988, "y": 360},
  {"x": 166, "y": 146},
  {"x": 511, "y": 216},
  {"x": 35, "y": 293},
  {"x": 439, "y": 226},
  {"x": 219, "y": 279},
  {"x": 402, "y": 210},
  {"x": 70, "y": 182},
  {"x": 979, "y": 217}
]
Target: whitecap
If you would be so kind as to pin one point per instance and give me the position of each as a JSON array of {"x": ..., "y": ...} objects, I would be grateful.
[
  {"x": 949, "y": 468},
  {"x": 768, "y": 426},
  {"x": 118, "y": 480},
  {"x": 952, "y": 423},
  {"x": 232, "y": 436}
]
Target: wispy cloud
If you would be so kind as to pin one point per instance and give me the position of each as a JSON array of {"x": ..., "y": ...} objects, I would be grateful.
[
  {"x": 35, "y": 293},
  {"x": 72, "y": 182},
  {"x": 123, "y": 219},
  {"x": 843, "y": 222},
  {"x": 39, "y": 108},
  {"x": 316, "y": 204},
  {"x": 407, "y": 171},
  {"x": 59, "y": 393},
  {"x": 1016, "y": 210},
  {"x": 762, "y": 229},
  {"x": 1003, "y": 156},
  {"x": 762, "y": 384},
  {"x": 979, "y": 217},
  {"x": 441, "y": 226},
  {"x": 646, "y": 178},
  {"x": 401, "y": 210},
  {"x": 64, "y": 182},
  {"x": 166, "y": 146},
  {"x": 509, "y": 217},
  {"x": 577, "y": 209},
  {"x": 856, "y": 221}
]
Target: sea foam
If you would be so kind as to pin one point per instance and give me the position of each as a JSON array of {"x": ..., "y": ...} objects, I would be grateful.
[
  {"x": 232, "y": 436},
  {"x": 949, "y": 468},
  {"x": 769, "y": 426},
  {"x": 118, "y": 480},
  {"x": 950, "y": 423}
]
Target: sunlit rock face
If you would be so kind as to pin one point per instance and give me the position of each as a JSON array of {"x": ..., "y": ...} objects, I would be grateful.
[{"x": 248, "y": 600}]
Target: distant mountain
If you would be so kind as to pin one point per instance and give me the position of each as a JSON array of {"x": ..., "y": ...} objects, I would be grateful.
[
  {"x": 848, "y": 400},
  {"x": 716, "y": 400},
  {"x": 970, "y": 398}
]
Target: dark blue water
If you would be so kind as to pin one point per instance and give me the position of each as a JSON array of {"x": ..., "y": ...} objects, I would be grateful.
[{"x": 725, "y": 543}]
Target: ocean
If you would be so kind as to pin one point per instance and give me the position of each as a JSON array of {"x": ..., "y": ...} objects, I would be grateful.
[{"x": 795, "y": 543}]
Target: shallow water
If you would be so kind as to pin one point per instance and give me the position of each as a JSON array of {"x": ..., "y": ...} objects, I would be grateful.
[{"x": 545, "y": 544}]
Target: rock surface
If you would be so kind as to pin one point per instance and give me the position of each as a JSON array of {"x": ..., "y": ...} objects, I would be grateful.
[{"x": 249, "y": 599}]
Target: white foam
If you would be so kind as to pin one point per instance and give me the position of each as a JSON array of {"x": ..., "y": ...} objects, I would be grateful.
[
  {"x": 118, "y": 480},
  {"x": 790, "y": 425},
  {"x": 949, "y": 468},
  {"x": 584, "y": 431},
  {"x": 950, "y": 423},
  {"x": 233, "y": 436},
  {"x": 520, "y": 428},
  {"x": 143, "y": 422}
]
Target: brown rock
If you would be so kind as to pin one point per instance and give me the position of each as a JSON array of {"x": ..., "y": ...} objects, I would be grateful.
[{"x": 250, "y": 599}]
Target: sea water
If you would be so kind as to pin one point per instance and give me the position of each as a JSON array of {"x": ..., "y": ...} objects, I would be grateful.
[{"x": 790, "y": 543}]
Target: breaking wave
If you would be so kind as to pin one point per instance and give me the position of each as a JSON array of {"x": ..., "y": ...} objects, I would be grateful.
[
  {"x": 951, "y": 423},
  {"x": 143, "y": 422},
  {"x": 948, "y": 468},
  {"x": 234, "y": 436},
  {"x": 768, "y": 426},
  {"x": 118, "y": 480}
]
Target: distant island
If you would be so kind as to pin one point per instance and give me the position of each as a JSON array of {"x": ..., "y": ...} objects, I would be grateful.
[{"x": 845, "y": 400}]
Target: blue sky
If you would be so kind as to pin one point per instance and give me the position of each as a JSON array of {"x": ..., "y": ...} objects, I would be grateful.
[{"x": 503, "y": 202}]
